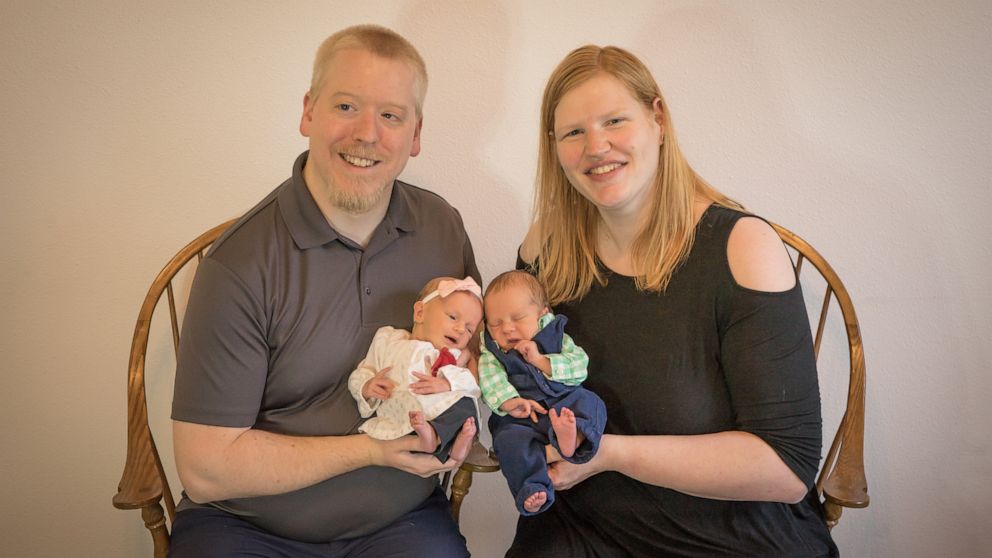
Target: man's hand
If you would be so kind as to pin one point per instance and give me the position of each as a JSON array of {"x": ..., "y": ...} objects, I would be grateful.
[
  {"x": 427, "y": 384},
  {"x": 528, "y": 349},
  {"x": 379, "y": 387},
  {"x": 518, "y": 407},
  {"x": 402, "y": 454}
]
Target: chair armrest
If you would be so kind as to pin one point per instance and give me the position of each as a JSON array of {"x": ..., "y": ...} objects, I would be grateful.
[{"x": 480, "y": 459}]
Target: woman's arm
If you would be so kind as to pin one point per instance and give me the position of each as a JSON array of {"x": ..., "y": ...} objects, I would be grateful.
[{"x": 722, "y": 466}]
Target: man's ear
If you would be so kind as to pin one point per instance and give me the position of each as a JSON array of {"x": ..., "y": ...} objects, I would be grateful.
[
  {"x": 418, "y": 312},
  {"x": 307, "y": 118},
  {"x": 415, "y": 148}
]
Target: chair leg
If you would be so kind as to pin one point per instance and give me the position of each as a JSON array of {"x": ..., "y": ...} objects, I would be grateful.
[
  {"x": 832, "y": 512},
  {"x": 155, "y": 522},
  {"x": 459, "y": 489}
]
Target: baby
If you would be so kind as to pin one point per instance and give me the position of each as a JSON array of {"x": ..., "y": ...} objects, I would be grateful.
[
  {"x": 530, "y": 372},
  {"x": 418, "y": 381}
]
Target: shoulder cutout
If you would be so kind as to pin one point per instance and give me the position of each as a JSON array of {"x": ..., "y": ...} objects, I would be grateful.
[{"x": 757, "y": 258}]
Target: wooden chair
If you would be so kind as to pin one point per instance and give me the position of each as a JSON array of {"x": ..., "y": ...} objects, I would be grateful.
[
  {"x": 841, "y": 482},
  {"x": 144, "y": 484}
]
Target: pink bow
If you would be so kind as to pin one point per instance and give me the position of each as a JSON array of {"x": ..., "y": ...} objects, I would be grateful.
[{"x": 448, "y": 286}]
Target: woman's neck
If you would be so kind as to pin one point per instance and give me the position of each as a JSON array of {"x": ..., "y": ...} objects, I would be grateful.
[
  {"x": 616, "y": 235},
  {"x": 615, "y": 239}
]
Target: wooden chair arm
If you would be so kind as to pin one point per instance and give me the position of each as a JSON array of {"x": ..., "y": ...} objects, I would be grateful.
[
  {"x": 140, "y": 485},
  {"x": 847, "y": 485},
  {"x": 480, "y": 459}
]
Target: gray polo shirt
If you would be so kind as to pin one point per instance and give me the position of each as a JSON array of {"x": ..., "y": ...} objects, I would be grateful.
[{"x": 281, "y": 310}]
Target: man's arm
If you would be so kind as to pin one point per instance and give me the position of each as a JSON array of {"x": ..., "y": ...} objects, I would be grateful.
[{"x": 220, "y": 463}]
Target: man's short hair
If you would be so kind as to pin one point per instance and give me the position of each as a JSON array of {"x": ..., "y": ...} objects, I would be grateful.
[
  {"x": 517, "y": 278},
  {"x": 381, "y": 42}
]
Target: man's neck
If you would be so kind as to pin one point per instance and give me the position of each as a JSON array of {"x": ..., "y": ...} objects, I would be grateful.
[{"x": 357, "y": 227}]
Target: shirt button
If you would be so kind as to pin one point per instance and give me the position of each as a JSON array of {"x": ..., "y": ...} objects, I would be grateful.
[{"x": 368, "y": 291}]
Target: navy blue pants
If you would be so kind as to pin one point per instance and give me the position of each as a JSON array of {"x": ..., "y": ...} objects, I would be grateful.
[
  {"x": 426, "y": 531},
  {"x": 519, "y": 444},
  {"x": 449, "y": 424}
]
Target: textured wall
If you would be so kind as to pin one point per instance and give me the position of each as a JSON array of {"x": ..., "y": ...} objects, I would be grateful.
[{"x": 128, "y": 127}]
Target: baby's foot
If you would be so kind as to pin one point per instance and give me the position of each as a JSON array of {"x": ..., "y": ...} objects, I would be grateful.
[
  {"x": 564, "y": 427},
  {"x": 463, "y": 442},
  {"x": 425, "y": 432},
  {"x": 534, "y": 502}
]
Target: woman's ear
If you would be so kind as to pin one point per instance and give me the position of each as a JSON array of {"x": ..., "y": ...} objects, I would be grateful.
[{"x": 659, "y": 117}]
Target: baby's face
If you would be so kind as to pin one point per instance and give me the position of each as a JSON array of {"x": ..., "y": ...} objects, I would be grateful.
[
  {"x": 450, "y": 321},
  {"x": 511, "y": 316}
]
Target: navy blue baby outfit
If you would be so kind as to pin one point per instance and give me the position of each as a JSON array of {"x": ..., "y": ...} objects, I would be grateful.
[{"x": 519, "y": 443}]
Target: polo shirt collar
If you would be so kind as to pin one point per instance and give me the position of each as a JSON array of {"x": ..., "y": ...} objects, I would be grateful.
[{"x": 306, "y": 223}]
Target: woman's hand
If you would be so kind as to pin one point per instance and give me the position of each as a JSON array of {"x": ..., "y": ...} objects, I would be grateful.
[
  {"x": 565, "y": 475},
  {"x": 427, "y": 384}
]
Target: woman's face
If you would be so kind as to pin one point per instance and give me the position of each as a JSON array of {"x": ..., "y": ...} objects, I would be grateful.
[{"x": 608, "y": 144}]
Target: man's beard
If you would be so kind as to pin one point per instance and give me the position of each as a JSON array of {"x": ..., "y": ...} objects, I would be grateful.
[{"x": 359, "y": 202}]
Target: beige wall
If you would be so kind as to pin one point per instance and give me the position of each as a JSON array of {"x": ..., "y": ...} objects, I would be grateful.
[{"x": 128, "y": 127}]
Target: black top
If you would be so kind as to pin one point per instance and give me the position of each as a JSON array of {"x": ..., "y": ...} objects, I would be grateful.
[{"x": 708, "y": 355}]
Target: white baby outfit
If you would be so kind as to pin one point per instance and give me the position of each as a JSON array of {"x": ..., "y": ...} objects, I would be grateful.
[{"x": 393, "y": 347}]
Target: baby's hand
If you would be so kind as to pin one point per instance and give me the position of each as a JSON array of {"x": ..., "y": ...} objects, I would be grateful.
[
  {"x": 528, "y": 349},
  {"x": 379, "y": 387},
  {"x": 427, "y": 384},
  {"x": 463, "y": 358},
  {"x": 518, "y": 407}
]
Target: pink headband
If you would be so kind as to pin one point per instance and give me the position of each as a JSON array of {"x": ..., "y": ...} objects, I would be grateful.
[{"x": 448, "y": 286}]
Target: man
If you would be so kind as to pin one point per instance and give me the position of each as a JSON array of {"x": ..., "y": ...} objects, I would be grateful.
[{"x": 284, "y": 306}]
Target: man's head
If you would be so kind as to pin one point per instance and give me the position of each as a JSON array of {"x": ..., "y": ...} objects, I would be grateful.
[
  {"x": 514, "y": 303},
  {"x": 381, "y": 42},
  {"x": 363, "y": 117}
]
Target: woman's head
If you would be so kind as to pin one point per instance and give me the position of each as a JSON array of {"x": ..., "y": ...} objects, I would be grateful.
[
  {"x": 576, "y": 76},
  {"x": 448, "y": 312},
  {"x": 583, "y": 148}
]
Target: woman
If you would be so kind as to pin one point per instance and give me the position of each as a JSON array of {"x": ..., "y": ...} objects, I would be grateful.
[{"x": 696, "y": 331}]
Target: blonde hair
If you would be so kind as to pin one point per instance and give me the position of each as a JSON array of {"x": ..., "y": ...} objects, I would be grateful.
[
  {"x": 566, "y": 222},
  {"x": 381, "y": 42},
  {"x": 517, "y": 278}
]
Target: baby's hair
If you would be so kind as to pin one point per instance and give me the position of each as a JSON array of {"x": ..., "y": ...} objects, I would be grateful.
[{"x": 517, "y": 278}]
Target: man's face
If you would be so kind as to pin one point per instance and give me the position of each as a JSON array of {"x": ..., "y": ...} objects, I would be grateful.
[{"x": 363, "y": 127}]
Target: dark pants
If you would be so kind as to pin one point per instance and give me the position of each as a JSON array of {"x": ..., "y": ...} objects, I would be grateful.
[
  {"x": 519, "y": 444},
  {"x": 559, "y": 533},
  {"x": 426, "y": 531},
  {"x": 449, "y": 423}
]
